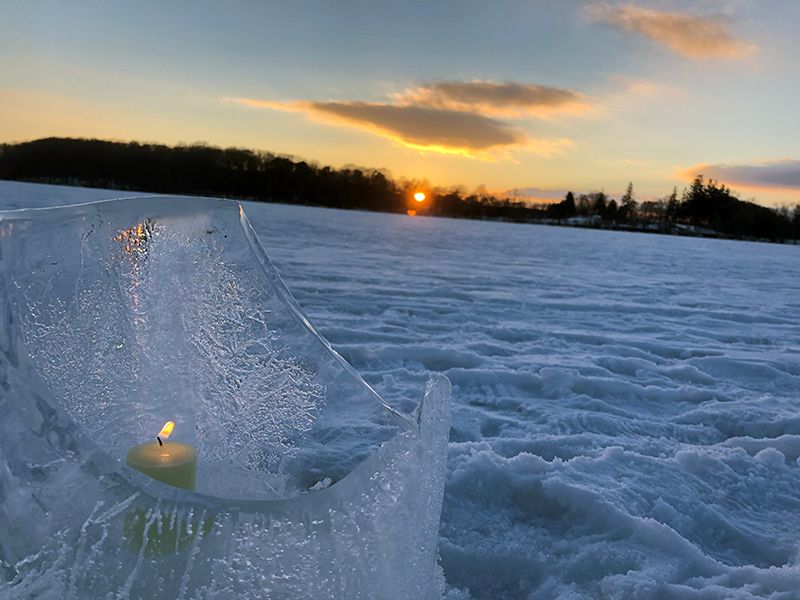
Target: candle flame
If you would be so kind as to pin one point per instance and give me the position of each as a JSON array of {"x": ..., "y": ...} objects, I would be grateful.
[{"x": 166, "y": 430}]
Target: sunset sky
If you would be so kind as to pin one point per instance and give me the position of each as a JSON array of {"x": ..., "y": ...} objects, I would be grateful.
[{"x": 535, "y": 96}]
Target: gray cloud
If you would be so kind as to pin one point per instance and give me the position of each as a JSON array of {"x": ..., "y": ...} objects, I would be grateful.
[
  {"x": 495, "y": 98},
  {"x": 685, "y": 34},
  {"x": 423, "y": 127},
  {"x": 778, "y": 174}
]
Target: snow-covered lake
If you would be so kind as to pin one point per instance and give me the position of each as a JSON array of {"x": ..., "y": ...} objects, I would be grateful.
[{"x": 626, "y": 418}]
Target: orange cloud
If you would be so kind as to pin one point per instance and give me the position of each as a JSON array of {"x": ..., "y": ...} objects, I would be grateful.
[
  {"x": 495, "y": 98},
  {"x": 426, "y": 128},
  {"x": 687, "y": 35},
  {"x": 768, "y": 175}
]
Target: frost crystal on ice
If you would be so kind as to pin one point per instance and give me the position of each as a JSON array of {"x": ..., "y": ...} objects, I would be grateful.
[{"x": 118, "y": 316}]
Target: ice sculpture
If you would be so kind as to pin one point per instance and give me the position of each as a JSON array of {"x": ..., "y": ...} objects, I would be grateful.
[{"x": 120, "y": 315}]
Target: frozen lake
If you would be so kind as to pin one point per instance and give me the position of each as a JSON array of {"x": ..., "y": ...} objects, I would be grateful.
[{"x": 626, "y": 417}]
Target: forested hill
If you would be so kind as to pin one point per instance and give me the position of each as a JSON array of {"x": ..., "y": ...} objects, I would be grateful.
[
  {"x": 196, "y": 170},
  {"x": 705, "y": 208}
]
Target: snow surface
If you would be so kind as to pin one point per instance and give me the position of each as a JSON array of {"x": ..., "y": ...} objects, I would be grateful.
[{"x": 626, "y": 417}]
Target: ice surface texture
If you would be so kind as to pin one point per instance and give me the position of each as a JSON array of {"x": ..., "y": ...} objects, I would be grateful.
[{"x": 120, "y": 315}]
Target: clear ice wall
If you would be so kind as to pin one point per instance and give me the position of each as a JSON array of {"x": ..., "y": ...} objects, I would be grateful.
[{"x": 118, "y": 316}]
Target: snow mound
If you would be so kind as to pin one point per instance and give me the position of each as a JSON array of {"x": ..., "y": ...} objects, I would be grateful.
[{"x": 118, "y": 316}]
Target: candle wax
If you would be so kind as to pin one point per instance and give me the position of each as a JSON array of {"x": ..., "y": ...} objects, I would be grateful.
[{"x": 173, "y": 463}]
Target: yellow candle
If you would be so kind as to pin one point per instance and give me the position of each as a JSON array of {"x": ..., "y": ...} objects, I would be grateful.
[
  {"x": 172, "y": 463},
  {"x": 175, "y": 464}
]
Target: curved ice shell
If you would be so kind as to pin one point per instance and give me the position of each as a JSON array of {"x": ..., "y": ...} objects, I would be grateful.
[{"x": 120, "y": 315}]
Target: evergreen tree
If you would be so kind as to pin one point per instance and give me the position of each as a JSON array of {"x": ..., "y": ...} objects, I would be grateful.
[
  {"x": 599, "y": 205},
  {"x": 673, "y": 206},
  {"x": 627, "y": 204},
  {"x": 584, "y": 205},
  {"x": 569, "y": 205},
  {"x": 627, "y": 197},
  {"x": 611, "y": 211}
]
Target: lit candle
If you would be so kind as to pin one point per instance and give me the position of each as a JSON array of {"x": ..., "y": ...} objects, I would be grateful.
[{"x": 173, "y": 463}]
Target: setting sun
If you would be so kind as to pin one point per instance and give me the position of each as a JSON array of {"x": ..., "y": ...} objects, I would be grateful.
[{"x": 419, "y": 196}]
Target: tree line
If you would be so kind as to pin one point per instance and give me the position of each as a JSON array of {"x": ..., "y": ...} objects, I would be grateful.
[{"x": 705, "y": 207}]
